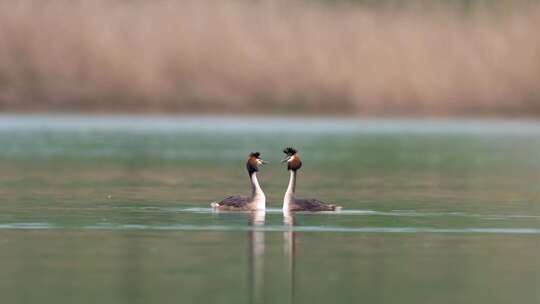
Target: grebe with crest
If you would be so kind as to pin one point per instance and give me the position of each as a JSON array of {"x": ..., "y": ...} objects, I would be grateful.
[
  {"x": 257, "y": 200},
  {"x": 290, "y": 202}
]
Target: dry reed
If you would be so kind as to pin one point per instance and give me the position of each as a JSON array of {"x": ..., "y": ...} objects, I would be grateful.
[{"x": 268, "y": 56}]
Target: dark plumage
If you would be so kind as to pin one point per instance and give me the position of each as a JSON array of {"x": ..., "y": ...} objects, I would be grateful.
[
  {"x": 289, "y": 151},
  {"x": 294, "y": 164},
  {"x": 234, "y": 202},
  {"x": 311, "y": 204}
]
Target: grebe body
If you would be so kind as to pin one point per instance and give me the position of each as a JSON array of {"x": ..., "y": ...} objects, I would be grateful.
[
  {"x": 257, "y": 200},
  {"x": 290, "y": 202}
]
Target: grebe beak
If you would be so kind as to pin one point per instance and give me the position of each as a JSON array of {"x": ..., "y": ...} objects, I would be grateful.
[
  {"x": 262, "y": 162},
  {"x": 286, "y": 158}
]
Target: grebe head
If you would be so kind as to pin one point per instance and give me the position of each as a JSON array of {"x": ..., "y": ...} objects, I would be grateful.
[
  {"x": 292, "y": 158},
  {"x": 254, "y": 162}
]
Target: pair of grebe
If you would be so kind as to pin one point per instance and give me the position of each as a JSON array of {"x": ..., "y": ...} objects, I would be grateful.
[{"x": 257, "y": 200}]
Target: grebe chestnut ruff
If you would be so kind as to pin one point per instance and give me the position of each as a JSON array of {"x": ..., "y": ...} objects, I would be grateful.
[
  {"x": 290, "y": 202},
  {"x": 257, "y": 200}
]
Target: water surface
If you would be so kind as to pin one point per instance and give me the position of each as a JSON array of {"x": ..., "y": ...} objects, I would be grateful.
[{"x": 114, "y": 209}]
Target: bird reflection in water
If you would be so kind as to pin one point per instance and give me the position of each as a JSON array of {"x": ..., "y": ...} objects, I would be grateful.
[
  {"x": 256, "y": 254},
  {"x": 289, "y": 250}
]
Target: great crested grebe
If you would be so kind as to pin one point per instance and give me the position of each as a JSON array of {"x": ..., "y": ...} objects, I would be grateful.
[
  {"x": 290, "y": 202},
  {"x": 257, "y": 200}
]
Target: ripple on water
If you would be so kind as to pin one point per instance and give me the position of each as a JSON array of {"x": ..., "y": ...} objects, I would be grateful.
[
  {"x": 409, "y": 213},
  {"x": 271, "y": 228}
]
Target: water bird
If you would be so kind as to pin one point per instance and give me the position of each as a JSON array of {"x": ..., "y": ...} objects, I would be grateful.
[
  {"x": 290, "y": 202},
  {"x": 257, "y": 200}
]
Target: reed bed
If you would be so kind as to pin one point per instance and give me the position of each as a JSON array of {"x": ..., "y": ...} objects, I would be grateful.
[{"x": 298, "y": 57}]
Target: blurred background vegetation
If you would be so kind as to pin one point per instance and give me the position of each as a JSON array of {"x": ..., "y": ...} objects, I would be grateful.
[{"x": 366, "y": 57}]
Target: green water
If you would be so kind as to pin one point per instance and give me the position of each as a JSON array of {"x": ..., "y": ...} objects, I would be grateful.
[{"x": 114, "y": 209}]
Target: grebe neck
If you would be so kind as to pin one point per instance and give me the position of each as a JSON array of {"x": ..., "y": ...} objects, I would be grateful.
[
  {"x": 289, "y": 194},
  {"x": 257, "y": 195}
]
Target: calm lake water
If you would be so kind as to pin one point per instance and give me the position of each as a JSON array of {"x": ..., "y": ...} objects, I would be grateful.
[{"x": 114, "y": 209}]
